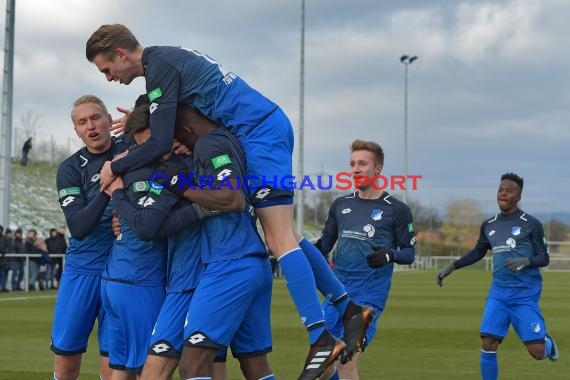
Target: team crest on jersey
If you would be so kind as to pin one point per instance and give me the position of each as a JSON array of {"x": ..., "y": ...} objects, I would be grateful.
[
  {"x": 346, "y": 211},
  {"x": 516, "y": 230},
  {"x": 376, "y": 214},
  {"x": 512, "y": 243},
  {"x": 492, "y": 233}
]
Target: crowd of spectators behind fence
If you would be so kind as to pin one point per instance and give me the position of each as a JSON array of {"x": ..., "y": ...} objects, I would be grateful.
[{"x": 43, "y": 272}]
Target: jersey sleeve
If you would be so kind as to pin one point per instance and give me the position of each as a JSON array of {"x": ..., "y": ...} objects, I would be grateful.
[
  {"x": 216, "y": 162},
  {"x": 162, "y": 84},
  {"x": 147, "y": 213},
  {"x": 540, "y": 256},
  {"x": 477, "y": 253},
  {"x": 404, "y": 235},
  {"x": 330, "y": 231},
  {"x": 180, "y": 219},
  {"x": 81, "y": 216}
]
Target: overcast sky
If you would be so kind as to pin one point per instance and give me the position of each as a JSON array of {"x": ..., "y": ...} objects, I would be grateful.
[{"x": 488, "y": 94}]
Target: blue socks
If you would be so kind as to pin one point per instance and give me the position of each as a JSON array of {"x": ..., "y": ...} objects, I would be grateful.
[
  {"x": 301, "y": 285},
  {"x": 327, "y": 283},
  {"x": 489, "y": 365},
  {"x": 268, "y": 377},
  {"x": 335, "y": 376}
]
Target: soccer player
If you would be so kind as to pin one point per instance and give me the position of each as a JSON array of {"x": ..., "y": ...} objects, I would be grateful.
[
  {"x": 174, "y": 75},
  {"x": 134, "y": 278},
  {"x": 519, "y": 249},
  {"x": 88, "y": 214},
  {"x": 374, "y": 231},
  {"x": 231, "y": 304},
  {"x": 184, "y": 266}
]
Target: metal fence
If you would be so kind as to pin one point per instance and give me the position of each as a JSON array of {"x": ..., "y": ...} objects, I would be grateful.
[
  {"x": 421, "y": 263},
  {"x": 25, "y": 257},
  {"x": 46, "y": 146}
]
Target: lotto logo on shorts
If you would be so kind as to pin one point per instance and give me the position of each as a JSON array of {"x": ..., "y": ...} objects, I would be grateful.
[
  {"x": 196, "y": 338},
  {"x": 262, "y": 193},
  {"x": 160, "y": 348}
]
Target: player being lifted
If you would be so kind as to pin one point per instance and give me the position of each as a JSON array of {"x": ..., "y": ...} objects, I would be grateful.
[
  {"x": 174, "y": 75},
  {"x": 519, "y": 249}
]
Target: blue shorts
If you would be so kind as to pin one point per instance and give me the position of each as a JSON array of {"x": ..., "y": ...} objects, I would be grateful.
[
  {"x": 231, "y": 307},
  {"x": 333, "y": 321},
  {"x": 269, "y": 156},
  {"x": 77, "y": 306},
  {"x": 525, "y": 316},
  {"x": 131, "y": 313},
  {"x": 168, "y": 333}
]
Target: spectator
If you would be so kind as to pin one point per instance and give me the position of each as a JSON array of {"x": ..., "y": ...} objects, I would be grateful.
[
  {"x": 17, "y": 264},
  {"x": 45, "y": 264},
  {"x": 34, "y": 263},
  {"x": 55, "y": 245},
  {"x": 4, "y": 268},
  {"x": 25, "y": 151}
]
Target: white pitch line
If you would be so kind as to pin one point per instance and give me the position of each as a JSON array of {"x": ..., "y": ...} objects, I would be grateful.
[{"x": 25, "y": 298}]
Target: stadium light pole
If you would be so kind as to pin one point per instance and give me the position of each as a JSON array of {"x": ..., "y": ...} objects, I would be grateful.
[
  {"x": 300, "y": 137},
  {"x": 7, "y": 86},
  {"x": 406, "y": 60}
]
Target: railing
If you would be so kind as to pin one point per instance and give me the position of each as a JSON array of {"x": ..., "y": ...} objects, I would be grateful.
[
  {"x": 26, "y": 258},
  {"x": 557, "y": 263}
]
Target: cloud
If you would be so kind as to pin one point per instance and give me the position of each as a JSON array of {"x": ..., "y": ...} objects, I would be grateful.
[{"x": 490, "y": 89}]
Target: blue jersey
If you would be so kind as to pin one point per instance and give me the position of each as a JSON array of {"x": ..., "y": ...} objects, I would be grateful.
[
  {"x": 511, "y": 236},
  {"x": 86, "y": 209},
  {"x": 133, "y": 260},
  {"x": 184, "y": 262},
  {"x": 174, "y": 75},
  {"x": 361, "y": 226},
  {"x": 229, "y": 236}
]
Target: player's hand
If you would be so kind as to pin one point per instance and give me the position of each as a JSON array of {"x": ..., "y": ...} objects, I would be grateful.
[
  {"x": 517, "y": 264},
  {"x": 380, "y": 257},
  {"x": 174, "y": 170},
  {"x": 106, "y": 176},
  {"x": 118, "y": 126},
  {"x": 116, "y": 184},
  {"x": 444, "y": 273},
  {"x": 115, "y": 224},
  {"x": 179, "y": 148}
]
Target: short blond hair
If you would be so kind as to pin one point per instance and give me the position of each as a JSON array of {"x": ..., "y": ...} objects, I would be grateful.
[
  {"x": 370, "y": 146},
  {"x": 88, "y": 99}
]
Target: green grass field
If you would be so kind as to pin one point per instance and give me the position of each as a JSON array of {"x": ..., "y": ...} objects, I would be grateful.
[{"x": 425, "y": 333}]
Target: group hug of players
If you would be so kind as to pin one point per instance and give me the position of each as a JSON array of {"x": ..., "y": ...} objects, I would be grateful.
[{"x": 187, "y": 276}]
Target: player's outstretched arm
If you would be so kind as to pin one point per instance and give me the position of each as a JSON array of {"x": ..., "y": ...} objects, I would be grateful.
[{"x": 444, "y": 273}]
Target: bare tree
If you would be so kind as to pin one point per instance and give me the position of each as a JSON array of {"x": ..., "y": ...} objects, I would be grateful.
[
  {"x": 461, "y": 224},
  {"x": 30, "y": 122}
]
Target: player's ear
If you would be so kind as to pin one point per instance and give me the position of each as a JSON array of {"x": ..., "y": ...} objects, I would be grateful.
[
  {"x": 121, "y": 53},
  {"x": 378, "y": 169},
  {"x": 75, "y": 129}
]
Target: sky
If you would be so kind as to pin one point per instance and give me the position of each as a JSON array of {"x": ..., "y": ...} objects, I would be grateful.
[{"x": 489, "y": 93}]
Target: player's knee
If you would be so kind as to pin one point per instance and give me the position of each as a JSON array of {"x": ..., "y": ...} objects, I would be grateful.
[
  {"x": 536, "y": 351},
  {"x": 67, "y": 367},
  {"x": 489, "y": 344},
  {"x": 256, "y": 367}
]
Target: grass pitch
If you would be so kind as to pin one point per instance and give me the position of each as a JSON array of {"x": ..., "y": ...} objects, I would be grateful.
[{"x": 425, "y": 333}]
